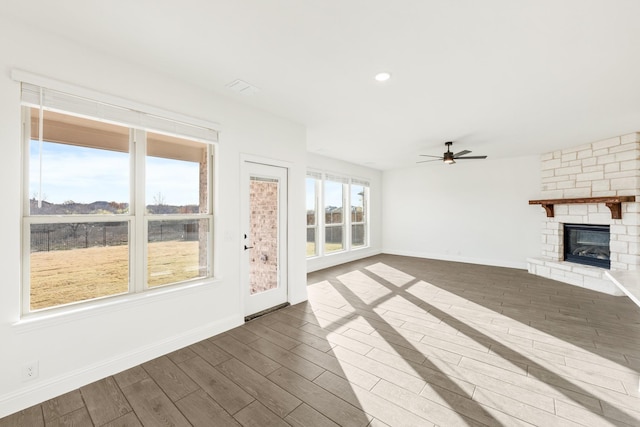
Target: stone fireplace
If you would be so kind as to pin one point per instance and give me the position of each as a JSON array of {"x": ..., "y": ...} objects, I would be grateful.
[{"x": 601, "y": 169}]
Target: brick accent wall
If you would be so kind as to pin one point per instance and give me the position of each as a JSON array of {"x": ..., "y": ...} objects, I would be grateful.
[
  {"x": 263, "y": 229},
  {"x": 605, "y": 168}
]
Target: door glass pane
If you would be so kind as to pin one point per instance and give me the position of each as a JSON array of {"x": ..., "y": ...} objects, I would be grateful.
[
  {"x": 177, "y": 172},
  {"x": 81, "y": 167},
  {"x": 73, "y": 262},
  {"x": 263, "y": 229},
  {"x": 177, "y": 250}
]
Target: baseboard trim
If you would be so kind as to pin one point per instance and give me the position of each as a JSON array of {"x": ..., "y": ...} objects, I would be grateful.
[
  {"x": 39, "y": 392},
  {"x": 320, "y": 263},
  {"x": 470, "y": 260}
]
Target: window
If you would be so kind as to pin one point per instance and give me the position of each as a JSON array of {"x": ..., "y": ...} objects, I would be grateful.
[
  {"x": 344, "y": 225},
  {"x": 358, "y": 215},
  {"x": 110, "y": 208},
  {"x": 334, "y": 217},
  {"x": 312, "y": 183}
]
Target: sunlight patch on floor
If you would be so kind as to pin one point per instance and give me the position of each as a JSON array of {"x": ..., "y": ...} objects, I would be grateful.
[
  {"x": 367, "y": 289},
  {"x": 390, "y": 274}
]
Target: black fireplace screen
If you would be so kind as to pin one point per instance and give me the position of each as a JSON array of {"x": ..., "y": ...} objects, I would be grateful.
[{"x": 587, "y": 244}]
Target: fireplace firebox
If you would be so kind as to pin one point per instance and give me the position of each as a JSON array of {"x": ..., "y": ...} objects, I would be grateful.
[{"x": 587, "y": 244}]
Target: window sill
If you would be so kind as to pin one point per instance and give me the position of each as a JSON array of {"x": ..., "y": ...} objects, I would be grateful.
[
  {"x": 340, "y": 252},
  {"x": 72, "y": 313}
]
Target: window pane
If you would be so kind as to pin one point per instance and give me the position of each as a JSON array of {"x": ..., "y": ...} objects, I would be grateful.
[
  {"x": 81, "y": 167},
  {"x": 357, "y": 235},
  {"x": 333, "y": 202},
  {"x": 312, "y": 210},
  {"x": 177, "y": 251},
  {"x": 177, "y": 172},
  {"x": 357, "y": 203},
  {"x": 333, "y": 239},
  {"x": 311, "y": 201},
  {"x": 74, "y": 262},
  {"x": 311, "y": 241}
]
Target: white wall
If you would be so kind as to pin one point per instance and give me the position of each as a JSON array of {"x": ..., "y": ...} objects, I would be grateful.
[
  {"x": 475, "y": 211},
  {"x": 73, "y": 350},
  {"x": 374, "y": 176}
]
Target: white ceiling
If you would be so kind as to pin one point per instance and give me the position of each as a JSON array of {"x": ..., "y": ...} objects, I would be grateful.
[{"x": 500, "y": 77}]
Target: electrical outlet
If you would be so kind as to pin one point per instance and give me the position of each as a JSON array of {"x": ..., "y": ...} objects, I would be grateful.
[{"x": 30, "y": 371}]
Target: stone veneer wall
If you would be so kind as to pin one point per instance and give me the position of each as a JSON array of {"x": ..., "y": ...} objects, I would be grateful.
[{"x": 604, "y": 168}]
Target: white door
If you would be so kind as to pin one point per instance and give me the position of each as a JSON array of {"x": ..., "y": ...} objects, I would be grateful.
[{"x": 264, "y": 240}]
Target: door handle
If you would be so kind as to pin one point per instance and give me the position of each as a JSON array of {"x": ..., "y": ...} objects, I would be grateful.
[{"x": 247, "y": 247}]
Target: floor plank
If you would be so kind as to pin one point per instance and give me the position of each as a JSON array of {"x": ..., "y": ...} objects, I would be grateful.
[
  {"x": 382, "y": 409},
  {"x": 224, "y": 391},
  {"x": 79, "y": 417},
  {"x": 286, "y": 358},
  {"x": 271, "y": 335},
  {"x": 210, "y": 352},
  {"x": 30, "y": 417},
  {"x": 318, "y": 398},
  {"x": 62, "y": 405},
  {"x": 152, "y": 406},
  {"x": 247, "y": 355},
  {"x": 257, "y": 415},
  {"x": 341, "y": 368},
  {"x": 305, "y": 416},
  {"x": 104, "y": 401},
  {"x": 128, "y": 420},
  {"x": 269, "y": 394},
  {"x": 200, "y": 409},
  {"x": 171, "y": 379}
]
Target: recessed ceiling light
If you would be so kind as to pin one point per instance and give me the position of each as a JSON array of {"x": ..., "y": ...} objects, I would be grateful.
[{"x": 383, "y": 77}]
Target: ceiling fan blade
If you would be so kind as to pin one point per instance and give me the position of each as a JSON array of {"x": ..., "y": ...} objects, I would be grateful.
[
  {"x": 471, "y": 157},
  {"x": 426, "y": 155},
  {"x": 434, "y": 160},
  {"x": 462, "y": 153}
]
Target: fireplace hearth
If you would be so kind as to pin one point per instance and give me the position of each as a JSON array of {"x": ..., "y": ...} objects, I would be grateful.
[{"x": 587, "y": 244}]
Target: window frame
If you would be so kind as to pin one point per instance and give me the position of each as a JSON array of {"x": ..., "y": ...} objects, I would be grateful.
[
  {"x": 342, "y": 224},
  {"x": 137, "y": 217},
  {"x": 316, "y": 225},
  {"x": 365, "y": 215}
]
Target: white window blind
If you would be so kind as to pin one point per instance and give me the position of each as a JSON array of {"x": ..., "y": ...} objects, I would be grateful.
[
  {"x": 337, "y": 178},
  {"x": 68, "y": 103},
  {"x": 316, "y": 175},
  {"x": 360, "y": 182}
]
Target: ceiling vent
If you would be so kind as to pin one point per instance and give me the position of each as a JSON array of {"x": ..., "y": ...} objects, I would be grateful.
[{"x": 242, "y": 87}]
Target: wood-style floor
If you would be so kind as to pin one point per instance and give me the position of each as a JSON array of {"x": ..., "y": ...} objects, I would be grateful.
[{"x": 391, "y": 341}]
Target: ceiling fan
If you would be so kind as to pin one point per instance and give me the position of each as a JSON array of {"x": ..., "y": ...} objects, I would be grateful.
[{"x": 450, "y": 158}]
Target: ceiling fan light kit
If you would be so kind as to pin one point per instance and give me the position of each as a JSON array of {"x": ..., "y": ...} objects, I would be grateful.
[{"x": 449, "y": 157}]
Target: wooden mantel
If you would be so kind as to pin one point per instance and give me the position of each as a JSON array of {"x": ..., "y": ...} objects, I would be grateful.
[{"x": 614, "y": 203}]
